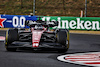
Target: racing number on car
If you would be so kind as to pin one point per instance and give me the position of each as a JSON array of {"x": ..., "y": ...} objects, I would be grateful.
[{"x": 19, "y": 22}]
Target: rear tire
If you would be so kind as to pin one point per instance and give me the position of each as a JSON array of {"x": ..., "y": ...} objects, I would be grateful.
[
  {"x": 62, "y": 39},
  {"x": 11, "y": 36}
]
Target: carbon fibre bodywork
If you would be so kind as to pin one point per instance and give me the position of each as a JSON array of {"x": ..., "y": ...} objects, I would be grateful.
[{"x": 37, "y": 37}]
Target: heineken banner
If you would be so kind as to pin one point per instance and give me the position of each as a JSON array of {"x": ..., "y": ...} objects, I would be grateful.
[
  {"x": 71, "y": 23},
  {"x": 76, "y": 23}
]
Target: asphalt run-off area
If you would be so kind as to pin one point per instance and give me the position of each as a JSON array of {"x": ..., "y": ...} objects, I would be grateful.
[{"x": 84, "y": 51}]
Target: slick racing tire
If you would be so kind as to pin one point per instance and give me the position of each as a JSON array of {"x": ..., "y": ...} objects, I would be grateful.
[
  {"x": 62, "y": 39},
  {"x": 11, "y": 36}
]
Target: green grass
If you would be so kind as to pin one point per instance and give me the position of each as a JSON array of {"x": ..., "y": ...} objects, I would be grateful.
[{"x": 50, "y": 7}]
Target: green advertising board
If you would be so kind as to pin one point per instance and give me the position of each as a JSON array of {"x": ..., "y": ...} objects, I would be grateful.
[{"x": 75, "y": 23}]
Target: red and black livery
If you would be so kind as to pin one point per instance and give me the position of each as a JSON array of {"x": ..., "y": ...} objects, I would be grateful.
[{"x": 38, "y": 36}]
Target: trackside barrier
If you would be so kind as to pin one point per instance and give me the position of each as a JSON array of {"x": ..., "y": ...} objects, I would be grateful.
[
  {"x": 15, "y": 21},
  {"x": 71, "y": 23},
  {"x": 75, "y": 23}
]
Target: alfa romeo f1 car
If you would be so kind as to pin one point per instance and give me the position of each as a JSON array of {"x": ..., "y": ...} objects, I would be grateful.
[{"x": 38, "y": 36}]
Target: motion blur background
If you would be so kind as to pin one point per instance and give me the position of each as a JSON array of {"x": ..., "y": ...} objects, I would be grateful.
[{"x": 50, "y": 7}]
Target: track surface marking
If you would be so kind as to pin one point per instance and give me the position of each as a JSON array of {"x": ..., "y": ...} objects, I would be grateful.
[{"x": 90, "y": 59}]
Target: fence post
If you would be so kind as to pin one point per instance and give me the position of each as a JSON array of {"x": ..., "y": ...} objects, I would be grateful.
[
  {"x": 64, "y": 7},
  {"x": 21, "y": 4},
  {"x": 85, "y": 8},
  {"x": 34, "y": 7}
]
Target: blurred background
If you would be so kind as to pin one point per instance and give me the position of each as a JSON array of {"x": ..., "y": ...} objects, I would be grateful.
[{"x": 51, "y": 7}]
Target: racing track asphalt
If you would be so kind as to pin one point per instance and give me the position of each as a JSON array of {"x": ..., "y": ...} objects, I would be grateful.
[{"x": 79, "y": 43}]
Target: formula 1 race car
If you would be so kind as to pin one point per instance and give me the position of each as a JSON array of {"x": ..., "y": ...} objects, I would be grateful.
[{"x": 38, "y": 36}]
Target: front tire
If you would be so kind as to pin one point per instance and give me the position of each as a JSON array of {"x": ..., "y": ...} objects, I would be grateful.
[
  {"x": 11, "y": 36},
  {"x": 62, "y": 39}
]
